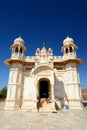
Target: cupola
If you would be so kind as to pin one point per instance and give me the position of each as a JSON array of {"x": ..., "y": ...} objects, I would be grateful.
[
  {"x": 37, "y": 52},
  {"x": 18, "y": 48},
  {"x": 50, "y": 52},
  {"x": 69, "y": 47}
]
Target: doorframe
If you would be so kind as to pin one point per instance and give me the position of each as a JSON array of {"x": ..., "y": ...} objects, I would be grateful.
[{"x": 38, "y": 86}]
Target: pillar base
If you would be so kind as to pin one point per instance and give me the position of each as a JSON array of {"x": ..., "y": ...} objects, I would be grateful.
[
  {"x": 11, "y": 108},
  {"x": 76, "y": 105}
]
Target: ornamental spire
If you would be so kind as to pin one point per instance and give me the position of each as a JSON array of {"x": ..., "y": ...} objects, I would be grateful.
[{"x": 43, "y": 44}]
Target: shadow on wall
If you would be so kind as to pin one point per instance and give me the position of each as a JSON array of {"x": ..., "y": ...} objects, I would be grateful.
[{"x": 60, "y": 94}]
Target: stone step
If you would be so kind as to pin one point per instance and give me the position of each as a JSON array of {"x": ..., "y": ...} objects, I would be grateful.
[{"x": 46, "y": 107}]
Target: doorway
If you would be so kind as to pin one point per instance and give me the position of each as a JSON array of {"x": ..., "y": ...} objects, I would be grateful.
[{"x": 44, "y": 89}]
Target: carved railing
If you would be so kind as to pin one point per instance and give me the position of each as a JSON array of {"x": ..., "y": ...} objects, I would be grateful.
[
  {"x": 29, "y": 58},
  {"x": 57, "y": 57}
]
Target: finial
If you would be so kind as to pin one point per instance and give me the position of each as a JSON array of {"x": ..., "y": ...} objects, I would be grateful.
[
  {"x": 19, "y": 36},
  {"x": 67, "y": 36},
  {"x": 43, "y": 44}
]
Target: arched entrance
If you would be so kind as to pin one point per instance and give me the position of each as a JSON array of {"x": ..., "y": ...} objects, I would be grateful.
[
  {"x": 44, "y": 95},
  {"x": 44, "y": 88}
]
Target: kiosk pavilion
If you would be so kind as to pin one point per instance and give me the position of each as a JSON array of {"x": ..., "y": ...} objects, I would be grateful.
[{"x": 44, "y": 79}]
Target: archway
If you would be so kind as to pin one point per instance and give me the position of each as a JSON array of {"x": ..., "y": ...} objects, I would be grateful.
[{"x": 44, "y": 88}]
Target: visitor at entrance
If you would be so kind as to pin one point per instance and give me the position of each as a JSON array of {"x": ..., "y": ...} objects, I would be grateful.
[
  {"x": 49, "y": 98},
  {"x": 39, "y": 104}
]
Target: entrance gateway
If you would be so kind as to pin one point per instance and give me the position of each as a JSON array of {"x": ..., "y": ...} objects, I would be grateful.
[
  {"x": 44, "y": 95},
  {"x": 42, "y": 75}
]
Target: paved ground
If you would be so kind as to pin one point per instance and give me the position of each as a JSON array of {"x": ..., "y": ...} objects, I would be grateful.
[{"x": 66, "y": 120}]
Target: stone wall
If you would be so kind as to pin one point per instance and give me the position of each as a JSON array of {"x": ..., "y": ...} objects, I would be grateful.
[{"x": 84, "y": 93}]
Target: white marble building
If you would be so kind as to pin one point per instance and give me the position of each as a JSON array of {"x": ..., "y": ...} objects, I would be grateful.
[{"x": 33, "y": 78}]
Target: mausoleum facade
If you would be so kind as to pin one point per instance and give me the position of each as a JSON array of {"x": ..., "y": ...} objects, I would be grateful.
[{"x": 43, "y": 78}]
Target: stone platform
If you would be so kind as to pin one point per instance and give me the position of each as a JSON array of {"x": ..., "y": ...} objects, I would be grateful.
[{"x": 62, "y": 120}]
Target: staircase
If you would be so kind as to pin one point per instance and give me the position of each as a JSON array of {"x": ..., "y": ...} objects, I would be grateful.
[{"x": 45, "y": 107}]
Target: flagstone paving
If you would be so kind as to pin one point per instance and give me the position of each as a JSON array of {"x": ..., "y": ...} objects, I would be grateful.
[{"x": 63, "y": 120}]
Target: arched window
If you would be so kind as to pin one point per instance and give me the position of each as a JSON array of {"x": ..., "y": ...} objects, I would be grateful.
[
  {"x": 66, "y": 50},
  {"x": 21, "y": 50},
  {"x": 16, "y": 50},
  {"x": 71, "y": 50}
]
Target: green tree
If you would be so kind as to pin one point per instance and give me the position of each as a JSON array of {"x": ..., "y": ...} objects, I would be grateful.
[
  {"x": 3, "y": 92},
  {"x": 1, "y": 96}
]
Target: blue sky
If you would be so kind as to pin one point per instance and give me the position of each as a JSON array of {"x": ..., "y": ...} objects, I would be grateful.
[{"x": 38, "y": 21}]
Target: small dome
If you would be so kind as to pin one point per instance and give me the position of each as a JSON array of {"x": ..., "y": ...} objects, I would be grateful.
[
  {"x": 68, "y": 39},
  {"x": 37, "y": 51},
  {"x": 50, "y": 50},
  {"x": 18, "y": 40}
]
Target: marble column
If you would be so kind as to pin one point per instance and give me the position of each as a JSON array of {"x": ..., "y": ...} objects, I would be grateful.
[
  {"x": 35, "y": 106},
  {"x": 53, "y": 98}
]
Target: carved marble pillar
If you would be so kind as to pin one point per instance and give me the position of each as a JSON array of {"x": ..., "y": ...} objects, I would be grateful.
[
  {"x": 53, "y": 98},
  {"x": 35, "y": 100}
]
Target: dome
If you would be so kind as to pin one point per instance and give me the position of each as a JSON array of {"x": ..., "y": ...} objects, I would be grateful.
[
  {"x": 19, "y": 40},
  {"x": 68, "y": 39},
  {"x": 68, "y": 42}
]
